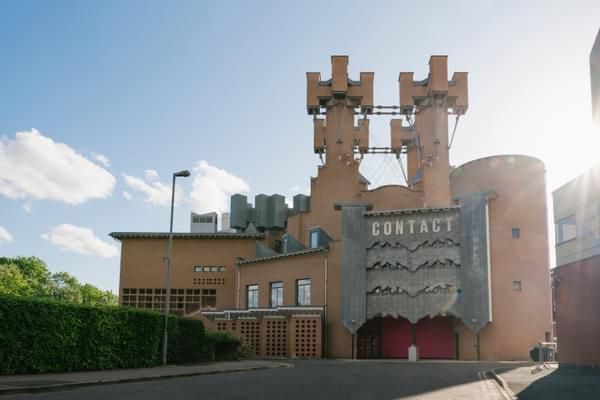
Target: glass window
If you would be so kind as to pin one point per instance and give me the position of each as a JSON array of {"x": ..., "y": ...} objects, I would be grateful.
[
  {"x": 303, "y": 292},
  {"x": 209, "y": 298},
  {"x": 197, "y": 268},
  {"x": 276, "y": 294},
  {"x": 516, "y": 286},
  {"x": 566, "y": 229},
  {"x": 252, "y": 296},
  {"x": 314, "y": 239},
  {"x": 516, "y": 233},
  {"x": 221, "y": 269}
]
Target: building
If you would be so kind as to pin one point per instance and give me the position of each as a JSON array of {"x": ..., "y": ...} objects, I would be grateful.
[
  {"x": 595, "y": 80},
  {"x": 203, "y": 223},
  {"x": 453, "y": 265},
  {"x": 577, "y": 273}
]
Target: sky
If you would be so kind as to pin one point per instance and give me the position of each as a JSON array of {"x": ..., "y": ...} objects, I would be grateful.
[{"x": 101, "y": 101}]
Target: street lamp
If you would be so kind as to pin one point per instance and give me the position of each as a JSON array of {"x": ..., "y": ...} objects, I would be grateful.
[{"x": 184, "y": 174}]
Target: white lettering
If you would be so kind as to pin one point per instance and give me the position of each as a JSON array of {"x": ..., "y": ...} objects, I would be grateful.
[
  {"x": 411, "y": 223},
  {"x": 399, "y": 227},
  {"x": 449, "y": 224},
  {"x": 375, "y": 229},
  {"x": 387, "y": 228},
  {"x": 424, "y": 227},
  {"x": 435, "y": 225}
]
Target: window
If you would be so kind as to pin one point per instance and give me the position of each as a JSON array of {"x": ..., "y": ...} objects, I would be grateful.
[
  {"x": 566, "y": 229},
  {"x": 276, "y": 294},
  {"x": 303, "y": 292},
  {"x": 252, "y": 296},
  {"x": 313, "y": 239},
  {"x": 209, "y": 298},
  {"x": 516, "y": 233},
  {"x": 516, "y": 286},
  {"x": 211, "y": 268}
]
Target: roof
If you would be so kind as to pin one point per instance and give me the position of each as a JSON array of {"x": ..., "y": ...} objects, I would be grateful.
[
  {"x": 411, "y": 211},
  {"x": 184, "y": 235},
  {"x": 282, "y": 255}
]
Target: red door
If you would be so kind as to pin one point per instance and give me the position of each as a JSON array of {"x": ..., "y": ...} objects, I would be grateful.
[
  {"x": 435, "y": 337},
  {"x": 395, "y": 337}
]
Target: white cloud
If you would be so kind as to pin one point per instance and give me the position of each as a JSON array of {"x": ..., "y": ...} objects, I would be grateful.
[
  {"x": 156, "y": 193},
  {"x": 151, "y": 175},
  {"x": 5, "y": 236},
  {"x": 212, "y": 188},
  {"x": 102, "y": 159},
  {"x": 34, "y": 167},
  {"x": 80, "y": 240},
  {"x": 127, "y": 195},
  {"x": 296, "y": 188}
]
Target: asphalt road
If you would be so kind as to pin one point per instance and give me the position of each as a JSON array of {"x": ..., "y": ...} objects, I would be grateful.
[{"x": 318, "y": 379}]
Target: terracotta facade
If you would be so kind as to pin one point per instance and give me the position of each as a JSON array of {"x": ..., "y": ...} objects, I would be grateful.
[{"x": 516, "y": 267}]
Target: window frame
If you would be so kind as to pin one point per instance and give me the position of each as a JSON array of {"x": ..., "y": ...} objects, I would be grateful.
[
  {"x": 303, "y": 286},
  {"x": 254, "y": 288},
  {"x": 279, "y": 296},
  {"x": 559, "y": 231}
]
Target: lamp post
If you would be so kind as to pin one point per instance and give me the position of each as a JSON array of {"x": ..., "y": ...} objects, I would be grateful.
[{"x": 183, "y": 174}]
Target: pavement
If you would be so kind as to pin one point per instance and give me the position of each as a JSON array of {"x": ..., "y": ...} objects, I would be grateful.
[
  {"x": 549, "y": 383},
  {"x": 11, "y": 384}
]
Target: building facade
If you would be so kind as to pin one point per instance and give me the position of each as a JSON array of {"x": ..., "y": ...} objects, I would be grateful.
[
  {"x": 577, "y": 273},
  {"x": 453, "y": 265}
]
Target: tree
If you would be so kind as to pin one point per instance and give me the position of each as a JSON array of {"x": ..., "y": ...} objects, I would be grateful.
[{"x": 30, "y": 277}]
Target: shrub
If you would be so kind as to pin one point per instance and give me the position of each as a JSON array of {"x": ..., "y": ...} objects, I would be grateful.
[
  {"x": 39, "y": 336},
  {"x": 224, "y": 346}
]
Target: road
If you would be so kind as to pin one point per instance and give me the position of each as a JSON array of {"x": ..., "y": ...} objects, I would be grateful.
[{"x": 310, "y": 379}]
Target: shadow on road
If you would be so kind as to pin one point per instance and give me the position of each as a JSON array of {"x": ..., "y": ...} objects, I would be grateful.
[{"x": 563, "y": 384}]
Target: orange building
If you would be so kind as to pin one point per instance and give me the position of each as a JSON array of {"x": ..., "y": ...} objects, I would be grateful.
[{"x": 452, "y": 265}]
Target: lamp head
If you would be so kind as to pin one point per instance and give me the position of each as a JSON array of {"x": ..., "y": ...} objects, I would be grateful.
[{"x": 185, "y": 173}]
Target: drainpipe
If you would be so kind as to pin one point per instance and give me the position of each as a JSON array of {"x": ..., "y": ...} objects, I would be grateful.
[
  {"x": 325, "y": 325},
  {"x": 237, "y": 288}
]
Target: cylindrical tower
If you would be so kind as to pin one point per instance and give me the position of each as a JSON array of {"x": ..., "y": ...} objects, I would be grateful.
[{"x": 518, "y": 238}]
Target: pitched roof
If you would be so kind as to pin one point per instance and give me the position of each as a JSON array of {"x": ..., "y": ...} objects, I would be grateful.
[
  {"x": 184, "y": 235},
  {"x": 282, "y": 255}
]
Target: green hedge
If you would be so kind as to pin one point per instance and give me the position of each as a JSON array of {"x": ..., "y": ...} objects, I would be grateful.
[
  {"x": 46, "y": 336},
  {"x": 224, "y": 346}
]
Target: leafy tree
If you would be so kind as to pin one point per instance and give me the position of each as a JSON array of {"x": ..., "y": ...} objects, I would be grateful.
[
  {"x": 12, "y": 281},
  {"x": 30, "y": 277}
]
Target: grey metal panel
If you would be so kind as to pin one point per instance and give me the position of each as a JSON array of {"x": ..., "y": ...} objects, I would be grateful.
[
  {"x": 414, "y": 257},
  {"x": 353, "y": 267},
  {"x": 475, "y": 296},
  {"x": 413, "y": 263},
  {"x": 239, "y": 211},
  {"x": 261, "y": 206},
  {"x": 412, "y": 282},
  {"x": 263, "y": 251},
  {"x": 302, "y": 203},
  {"x": 291, "y": 245},
  {"x": 277, "y": 212},
  {"x": 439, "y": 301}
]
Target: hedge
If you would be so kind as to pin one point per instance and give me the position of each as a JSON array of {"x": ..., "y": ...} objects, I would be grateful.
[{"x": 39, "y": 336}]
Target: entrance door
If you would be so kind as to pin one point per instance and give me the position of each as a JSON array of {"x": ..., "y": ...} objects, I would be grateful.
[
  {"x": 435, "y": 337},
  {"x": 369, "y": 339},
  {"x": 396, "y": 337}
]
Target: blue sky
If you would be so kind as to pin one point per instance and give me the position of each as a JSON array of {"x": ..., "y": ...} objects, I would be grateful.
[{"x": 102, "y": 100}]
